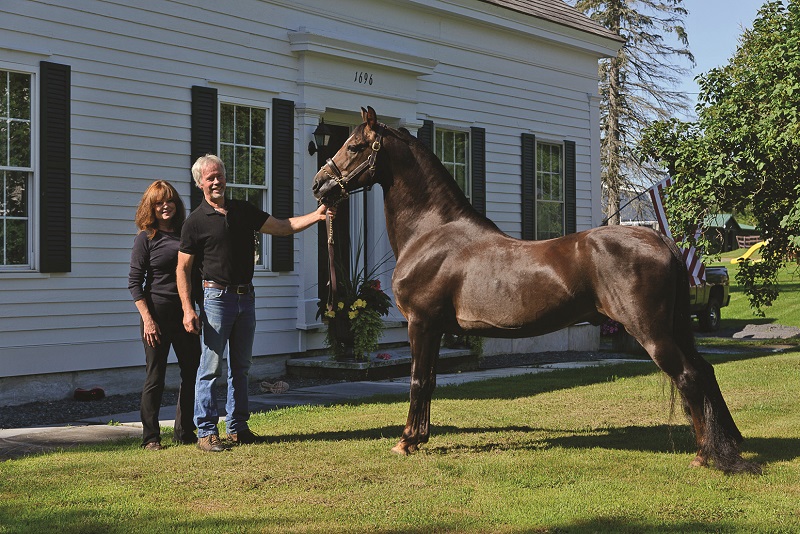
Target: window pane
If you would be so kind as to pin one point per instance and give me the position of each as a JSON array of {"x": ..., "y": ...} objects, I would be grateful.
[
  {"x": 461, "y": 147},
  {"x": 16, "y": 242},
  {"x": 542, "y": 187},
  {"x": 447, "y": 147},
  {"x": 549, "y": 220},
  {"x": 3, "y": 94},
  {"x": 259, "y": 128},
  {"x": 4, "y": 156},
  {"x": 452, "y": 148},
  {"x": 20, "y": 144},
  {"x": 459, "y": 174},
  {"x": 236, "y": 193},
  {"x": 242, "y": 122},
  {"x": 226, "y": 155},
  {"x": 258, "y": 170},
  {"x": 242, "y": 173},
  {"x": 20, "y": 101},
  {"x": 226, "y": 124},
  {"x": 16, "y": 195}
]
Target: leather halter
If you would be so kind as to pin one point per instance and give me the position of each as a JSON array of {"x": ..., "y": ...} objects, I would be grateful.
[{"x": 337, "y": 176}]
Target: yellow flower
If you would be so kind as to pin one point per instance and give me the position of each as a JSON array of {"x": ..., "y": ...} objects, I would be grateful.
[
  {"x": 353, "y": 314},
  {"x": 340, "y": 305},
  {"x": 360, "y": 303},
  {"x": 330, "y": 313}
]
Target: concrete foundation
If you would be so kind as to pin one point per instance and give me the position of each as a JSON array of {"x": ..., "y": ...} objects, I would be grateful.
[
  {"x": 581, "y": 337},
  {"x": 16, "y": 390}
]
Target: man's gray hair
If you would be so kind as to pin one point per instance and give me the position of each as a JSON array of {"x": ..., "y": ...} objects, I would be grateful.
[{"x": 201, "y": 163}]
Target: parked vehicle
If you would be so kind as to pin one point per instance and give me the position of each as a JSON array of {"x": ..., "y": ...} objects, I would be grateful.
[{"x": 708, "y": 298}]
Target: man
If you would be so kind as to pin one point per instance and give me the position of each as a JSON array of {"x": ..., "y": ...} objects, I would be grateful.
[{"x": 219, "y": 235}]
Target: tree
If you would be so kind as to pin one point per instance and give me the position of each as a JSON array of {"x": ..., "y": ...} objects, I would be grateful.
[
  {"x": 634, "y": 86},
  {"x": 742, "y": 151}
]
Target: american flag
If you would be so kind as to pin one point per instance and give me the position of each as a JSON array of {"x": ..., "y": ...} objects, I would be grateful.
[{"x": 694, "y": 263}]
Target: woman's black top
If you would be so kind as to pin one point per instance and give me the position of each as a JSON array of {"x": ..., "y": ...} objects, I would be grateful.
[{"x": 153, "y": 265}]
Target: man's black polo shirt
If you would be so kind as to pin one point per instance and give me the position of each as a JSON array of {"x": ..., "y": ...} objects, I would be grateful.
[{"x": 223, "y": 246}]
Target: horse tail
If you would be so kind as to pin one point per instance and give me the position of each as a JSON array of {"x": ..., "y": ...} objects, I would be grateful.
[{"x": 721, "y": 435}]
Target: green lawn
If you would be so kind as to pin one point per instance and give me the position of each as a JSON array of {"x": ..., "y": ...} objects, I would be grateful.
[
  {"x": 590, "y": 450},
  {"x": 785, "y": 310}
]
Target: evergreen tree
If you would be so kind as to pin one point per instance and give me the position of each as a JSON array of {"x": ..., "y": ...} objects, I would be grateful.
[{"x": 637, "y": 86}]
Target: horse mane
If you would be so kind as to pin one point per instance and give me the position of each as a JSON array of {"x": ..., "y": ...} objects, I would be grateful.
[{"x": 457, "y": 203}]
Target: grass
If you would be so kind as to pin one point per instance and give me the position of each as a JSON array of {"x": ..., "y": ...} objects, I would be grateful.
[
  {"x": 582, "y": 450},
  {"x": 785, "y": 310}
]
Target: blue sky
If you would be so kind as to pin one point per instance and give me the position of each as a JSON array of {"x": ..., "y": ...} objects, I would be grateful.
[{"x": 714, "y": 28}]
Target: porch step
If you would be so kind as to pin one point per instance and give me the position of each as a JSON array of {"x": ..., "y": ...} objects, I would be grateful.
[{"x": 397, "y": 365}]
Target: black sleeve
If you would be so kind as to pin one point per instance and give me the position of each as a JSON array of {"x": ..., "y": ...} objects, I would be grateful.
[{"x": 140, "y": 263}]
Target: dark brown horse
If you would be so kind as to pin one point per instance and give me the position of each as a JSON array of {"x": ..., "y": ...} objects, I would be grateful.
[{"x": 458, "y": 273}]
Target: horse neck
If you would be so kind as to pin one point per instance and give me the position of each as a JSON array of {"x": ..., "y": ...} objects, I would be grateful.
[{"x": 420, "y": 197}]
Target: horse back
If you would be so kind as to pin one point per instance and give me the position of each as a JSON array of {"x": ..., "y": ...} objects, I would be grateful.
[{"x": 498, "y": 286}]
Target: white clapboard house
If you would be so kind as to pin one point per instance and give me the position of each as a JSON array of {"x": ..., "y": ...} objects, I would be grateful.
[{"x": 98, "y": 98}]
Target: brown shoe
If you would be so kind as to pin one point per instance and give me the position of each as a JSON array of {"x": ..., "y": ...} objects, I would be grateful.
[
  {"x": 153, "y": 446},
  {"x": 210, "y": 443},
  {"x": 244, "y": 437}
]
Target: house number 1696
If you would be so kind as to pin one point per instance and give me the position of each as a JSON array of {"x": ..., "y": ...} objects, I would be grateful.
[{"x": 363, "y": 78}]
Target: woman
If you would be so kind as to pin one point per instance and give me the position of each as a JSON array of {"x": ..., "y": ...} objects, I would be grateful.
[{"x": 153, "y": 286}]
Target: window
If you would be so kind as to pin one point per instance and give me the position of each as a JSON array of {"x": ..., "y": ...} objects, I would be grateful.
[
  {"x": 549, "y": 191},
  {"x": 16, "y": 169},
  {"x": 452, "y": 148},
  {"x": 243, "y": 149}
]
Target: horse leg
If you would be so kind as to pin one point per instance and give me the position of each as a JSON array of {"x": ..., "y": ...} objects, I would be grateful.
[
  {"x": 715, "y": 431},
  {"x": 424, "y": 355}
]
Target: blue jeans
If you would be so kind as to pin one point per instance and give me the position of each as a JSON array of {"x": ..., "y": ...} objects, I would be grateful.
[{"x": 228, "y": 320}]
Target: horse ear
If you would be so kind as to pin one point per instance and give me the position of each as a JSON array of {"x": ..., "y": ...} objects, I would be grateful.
[
  {"x": 371, "y": 118},
  {"x": 363, "y": 115}
]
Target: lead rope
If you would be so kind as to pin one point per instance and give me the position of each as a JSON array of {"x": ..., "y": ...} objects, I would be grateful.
[{"x": 331, "y": 267}]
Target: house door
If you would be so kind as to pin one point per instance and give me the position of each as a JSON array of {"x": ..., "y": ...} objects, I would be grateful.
[{"x": 341, "y": 225}]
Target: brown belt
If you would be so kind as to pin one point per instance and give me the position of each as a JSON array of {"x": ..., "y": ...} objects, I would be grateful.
[{"x": 239, "y": 290}]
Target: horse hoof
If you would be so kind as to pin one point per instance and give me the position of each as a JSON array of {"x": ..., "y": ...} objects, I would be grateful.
[
  {"x": 698, "y": 462},
  {"x": 400, "y": 449}
]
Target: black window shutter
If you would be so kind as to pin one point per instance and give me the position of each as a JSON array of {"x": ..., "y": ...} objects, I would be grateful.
[
  {"x": 204, "y": 132},
  {"x": 528, "y": 186},
  {"x": 570, "y": 189},
  {"x": 55, "y": 237},
  {"x": 282, "y": 179},
  {"x": 425, "y": 134},
  {"x": 478, "y": 166}
]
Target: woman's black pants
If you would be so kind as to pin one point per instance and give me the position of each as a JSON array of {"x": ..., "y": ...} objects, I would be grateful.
[{"x": 169, "y": 318}]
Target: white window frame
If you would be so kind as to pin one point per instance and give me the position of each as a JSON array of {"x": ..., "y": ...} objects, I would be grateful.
[
  {"x": 263, "y": 259},
  {"x": 562, "y": 186},
  {"x": 467, "y": 156},
  {"x": 32, "y": 170}
]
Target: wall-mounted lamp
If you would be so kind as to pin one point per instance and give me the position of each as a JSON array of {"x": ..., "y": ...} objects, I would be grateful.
[{"x": 322, "y": 136}]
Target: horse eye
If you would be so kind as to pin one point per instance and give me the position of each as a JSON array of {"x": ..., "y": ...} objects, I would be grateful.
[{"x": 355, "y": 149}]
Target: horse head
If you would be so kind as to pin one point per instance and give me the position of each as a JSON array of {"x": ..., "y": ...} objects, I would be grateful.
[{"x": 353, "y": 166}]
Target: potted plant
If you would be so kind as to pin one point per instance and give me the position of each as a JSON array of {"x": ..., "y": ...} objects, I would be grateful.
[{"x": 354, "y": 319}]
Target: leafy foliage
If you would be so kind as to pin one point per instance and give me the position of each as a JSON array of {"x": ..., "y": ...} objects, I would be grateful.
[
  {"x": 742, "y": 152},
  {"x": 354, "y": 320}
]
